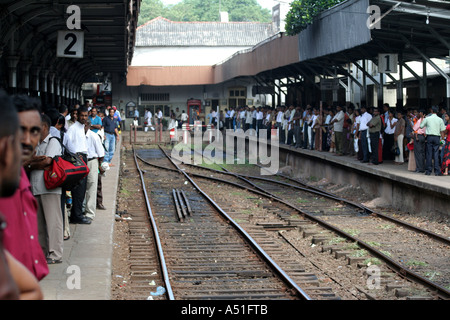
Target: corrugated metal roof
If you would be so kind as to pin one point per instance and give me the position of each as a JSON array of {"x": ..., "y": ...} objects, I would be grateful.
[{"x": 163, "y": 32}]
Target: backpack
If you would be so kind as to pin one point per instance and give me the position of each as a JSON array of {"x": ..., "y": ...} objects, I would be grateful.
[{"x": 66, "y": 170}]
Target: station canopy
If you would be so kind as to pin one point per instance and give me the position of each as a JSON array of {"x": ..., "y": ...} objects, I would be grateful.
[
  {"x": 29, "y": 33},
  {"x": 414, "y": 30}
]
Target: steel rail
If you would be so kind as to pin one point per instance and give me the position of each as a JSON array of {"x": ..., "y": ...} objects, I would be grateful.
[
  {"x": 367, "y": 210},
  {"x": 277, "y": 269},
  {"x": 326, "y": 194},
  {"x": 169, "y": 292},
  {"x": 440, "y": 291}
]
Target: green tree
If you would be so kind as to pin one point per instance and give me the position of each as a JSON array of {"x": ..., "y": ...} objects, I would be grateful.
[
  {"x": 201, "y": 10},
  {"x": 150, "y": 9},
  {"x": 303, "y": 12}
]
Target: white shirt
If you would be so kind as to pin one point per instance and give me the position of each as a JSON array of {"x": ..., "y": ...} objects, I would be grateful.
[
  {"x": 242, "y": 115},
  {"x": 159, "y": 115},
  {"x": 280, "y": 116},
  {"x": 364, "y": 119},
  {"x": 94, "y": 144},
  {"x": 66, "y": 125},
  {"x": 314, "y": 119},
  {"x": 388, "y": 129},
  {"x": 148, "y": 115},
  {"x": 259, "y": 115},
  {"x": 184, "y": 117},
  {"x": 339, "y": 125},
  {"x": 76, "y": 141},
  {"x": 248, "y": 117},
  {"x": 50, "y": 148}
]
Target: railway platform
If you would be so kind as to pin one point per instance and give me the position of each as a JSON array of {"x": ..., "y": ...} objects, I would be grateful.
[
  {"x": 390, "y": 183},
  {"x": 85, "y": 273}
]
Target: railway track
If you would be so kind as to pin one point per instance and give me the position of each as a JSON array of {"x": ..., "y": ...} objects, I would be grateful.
[
  {"x": 205, "y": 253},
  {"x": 338, "y": 215}
]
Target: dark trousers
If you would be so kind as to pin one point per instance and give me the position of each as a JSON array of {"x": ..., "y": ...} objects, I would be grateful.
[
  {"x": 365, "y": 146},
  {"x": 99, "y": 191},
  {"x": 419, "y": 153},
  {"x": 374, "y": 142},
  {"x": 387, "y": 147},
  {"x": 305, "y": 135},
  {"x": 298, "y": 136},
  {"x": 325, "y": 146},
  {"x": 433, "y": 154},
  {"x": 282, "y": 133},
  {"x": 78, "y": 194}
]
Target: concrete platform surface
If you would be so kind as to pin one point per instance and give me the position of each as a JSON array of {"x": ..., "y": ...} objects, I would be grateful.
[{"x": 85, "y": 273}]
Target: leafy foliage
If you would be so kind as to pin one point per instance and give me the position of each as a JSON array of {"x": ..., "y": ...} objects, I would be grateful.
[
  {"x": 200, "y": 10},
  {"x": 303, "y": 12}
]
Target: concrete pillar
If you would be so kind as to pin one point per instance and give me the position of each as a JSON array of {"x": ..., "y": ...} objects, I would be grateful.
[
  {"x": 25, "y": 66},
  {"x": 423, "y": 101},
  {"x": 35, "y": 71},
  {"x": 43, "y": 86},
  {"x": 400, "y": 81},
  {"x": 12, "y": 72},
  {"x": 51, "y": 87}
]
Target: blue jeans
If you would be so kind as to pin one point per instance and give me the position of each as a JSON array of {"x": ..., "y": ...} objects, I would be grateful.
[{"x": 110, "y": 145}]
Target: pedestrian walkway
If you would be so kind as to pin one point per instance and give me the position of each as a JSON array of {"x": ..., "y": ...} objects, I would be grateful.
[{"x": 85, "y": 273}]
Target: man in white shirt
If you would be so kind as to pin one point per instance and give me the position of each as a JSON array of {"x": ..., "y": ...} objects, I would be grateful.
[
  {"x": 159, "y": 117},
  {"x": 338, "y": 127},
  {"x": 242, "y": 118},
  {"x": 96, "y": 153},
  {"x": 232, "y": 123},
  {"x": 259, "y": 119},
  {"x": 76, "y": 143},
  {"x": 148, "y": 120},
  {"x": 248, "y": 118},
  {"x": 184, "y": 117},
  {"x": 363, "y": 133},
  {"x": 49, "y": 215}
]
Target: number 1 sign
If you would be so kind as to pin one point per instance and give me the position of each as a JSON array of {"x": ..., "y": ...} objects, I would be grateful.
[
  {"x": 387, "y": 63},
  {"x": 70, "y": 44}
]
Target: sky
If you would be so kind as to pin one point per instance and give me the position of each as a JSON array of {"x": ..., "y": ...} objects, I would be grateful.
[{"x": 268, "y": 4}]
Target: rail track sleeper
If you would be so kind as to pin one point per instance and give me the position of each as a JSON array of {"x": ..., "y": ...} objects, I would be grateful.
[
  {"x": 355, "y": 260},
  {"x": 340, "y": 254}
]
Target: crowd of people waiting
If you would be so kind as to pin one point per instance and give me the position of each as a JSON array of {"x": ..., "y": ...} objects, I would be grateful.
[
  {"x": 34, "y": 220},
  {"x": 419, "y": 137}
]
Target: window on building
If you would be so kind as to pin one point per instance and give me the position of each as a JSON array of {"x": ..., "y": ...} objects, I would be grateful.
[
  {"x": 237, "y": 97},
  {"x": 155, "y": 97}
]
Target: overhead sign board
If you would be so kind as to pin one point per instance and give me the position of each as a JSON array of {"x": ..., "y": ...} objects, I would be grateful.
[
  {"x": 70, "y": 44},
  {"x": 329, "y": 84},
  {"x": 387, "y": 63}
]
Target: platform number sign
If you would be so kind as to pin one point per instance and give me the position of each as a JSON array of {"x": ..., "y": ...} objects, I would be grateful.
[
  {"x": 387, "y": 62},
  {"x": 70, "y": 43}
]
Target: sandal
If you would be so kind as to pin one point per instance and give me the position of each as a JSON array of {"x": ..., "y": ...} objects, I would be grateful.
[
  {"x": 66, "y": 237},
  {"x": 53, "y": 261}
]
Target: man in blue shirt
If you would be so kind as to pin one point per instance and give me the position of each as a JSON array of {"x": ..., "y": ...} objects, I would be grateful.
[
  {"x": 111, "y": 134},
  {"x": 96, "y": 121}
]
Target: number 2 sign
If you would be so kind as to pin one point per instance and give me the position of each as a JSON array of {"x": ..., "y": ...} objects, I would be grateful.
[{"x": 70, "y": 44}]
